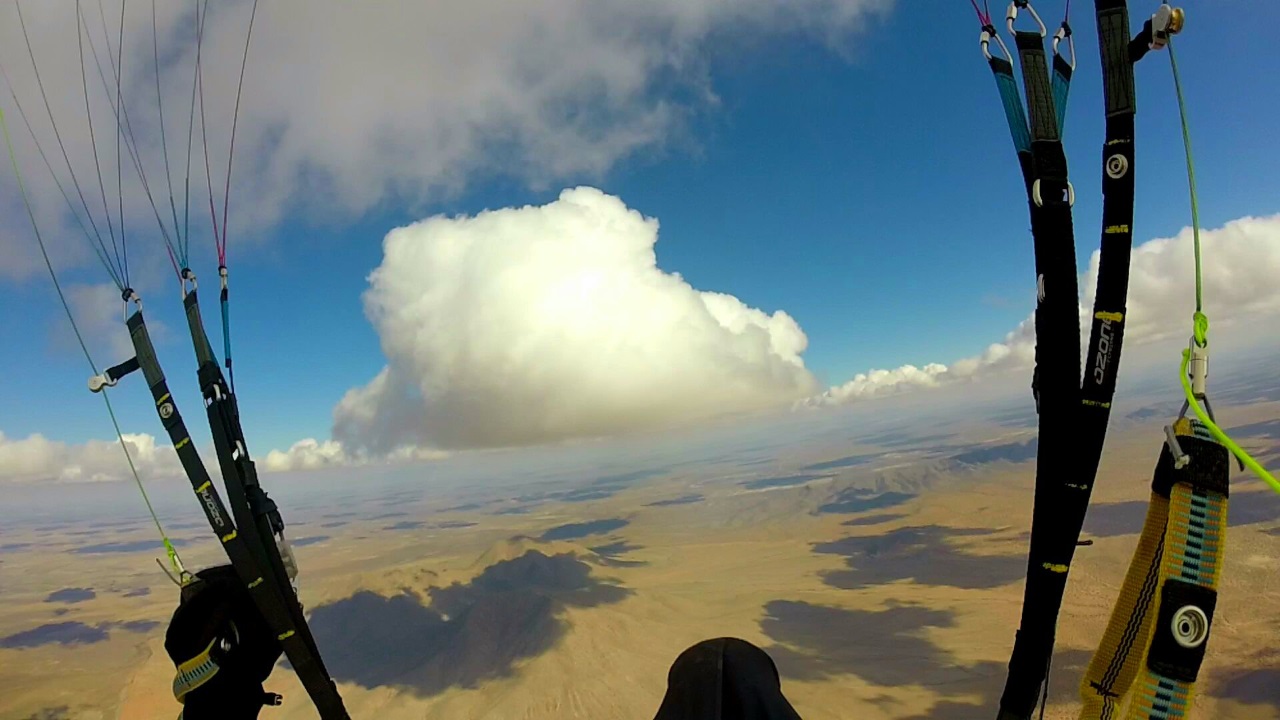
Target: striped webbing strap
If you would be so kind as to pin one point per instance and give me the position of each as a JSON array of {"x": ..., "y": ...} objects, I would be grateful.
[
  {"x": 1155, "y": 641},
  {"x": 195, "y": 672}
]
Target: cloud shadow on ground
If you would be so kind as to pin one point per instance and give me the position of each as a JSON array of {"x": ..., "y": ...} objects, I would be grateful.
[
  {"x": 61, "y": 712},
  {"x": 889, "y": 647},
  {"x": 585, "y": 494},
  {"x": 464, "y": 635},
  {"x": 405, "y": 525},
  {"x": 59, "y": 633},
  {"x": 923, "y": 555},
  {"x": 1258, "y": 384},
  {"x": 574, "y": 531},
  {"x": 682, "y": 500},
  {"x": 611, "y": 553},
  {"x": 72, "y": 633},
  {"x": 866, "y": 520},
  {"x": 845, "y": 462},
  {"x": 71, "y": 596},
  {"x": 628, "y": 478},
  {"x": 1015, "y": 452},
  {"x": 781, "y": 481},
  {"x": 149, "y": 545},
  {"x": 1260, "y": 686},
  {"x": 1157, "y": 410},
  {"x": 453, "y": 524},
  {"x": 1265, "y": 429},
  {"x": 1126, "y": 518},
  {"x": 856, "y": 500}
]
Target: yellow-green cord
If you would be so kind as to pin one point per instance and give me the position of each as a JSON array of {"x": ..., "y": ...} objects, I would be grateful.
[
  {"x": 174, "y": 560},
  {"x": 1217, "y": 432},
  {"x": 1200, "y": 327}
]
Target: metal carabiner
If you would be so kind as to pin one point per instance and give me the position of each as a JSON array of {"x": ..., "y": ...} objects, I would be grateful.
[
  {"x": 1012, "y": 15},
  {"x": 129, "y": 296},
  {"x": 990, "y": 33},
  {"x": 1064, "y": 33},
  {"x": 186, "y": 276}
]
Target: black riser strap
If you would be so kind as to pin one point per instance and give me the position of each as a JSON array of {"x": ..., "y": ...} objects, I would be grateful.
[{"x": 276, "y": 599}]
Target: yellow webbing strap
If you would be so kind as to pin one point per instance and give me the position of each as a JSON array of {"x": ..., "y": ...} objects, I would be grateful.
[
  {"x": 195, "y": 672},
  {"x": 1151, "y": 651}
]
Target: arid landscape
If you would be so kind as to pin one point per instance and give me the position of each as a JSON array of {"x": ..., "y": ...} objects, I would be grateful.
[{"x": 880, "y": 565}]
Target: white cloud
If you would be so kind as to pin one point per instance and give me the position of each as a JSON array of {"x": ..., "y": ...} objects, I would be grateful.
[
  {"x": 38, "y": 459},
  {"x": 1241, "y": 262},
  {"x": 307, "y": 454},
  {"x": 535, "y": 324},
  {"x": 313, "y": 454},
  {"x": 346, "y": 109}
]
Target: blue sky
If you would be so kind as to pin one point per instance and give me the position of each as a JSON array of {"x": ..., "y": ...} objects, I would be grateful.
[{"x": 868, "y": 190}]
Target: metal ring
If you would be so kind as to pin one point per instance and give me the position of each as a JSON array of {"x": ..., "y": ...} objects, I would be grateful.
[
  {"x": 1117, "y": 166},
  {"x": 1190, "y": 626}
]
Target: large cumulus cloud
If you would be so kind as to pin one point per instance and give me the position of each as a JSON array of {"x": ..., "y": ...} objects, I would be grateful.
[{"x": 535, "y": 324}]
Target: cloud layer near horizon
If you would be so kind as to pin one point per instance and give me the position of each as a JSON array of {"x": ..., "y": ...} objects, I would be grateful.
[
  {"x": 35, "y": 458},
  {"x": 538, "y": 324},
  {"x": 1242, "y": 260},
  {"x": 576, "y": 322}
]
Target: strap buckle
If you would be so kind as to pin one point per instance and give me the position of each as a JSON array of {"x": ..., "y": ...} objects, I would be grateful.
[{"x": 98, "y": 383}]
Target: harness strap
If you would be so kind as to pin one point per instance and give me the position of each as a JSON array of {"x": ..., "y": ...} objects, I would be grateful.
[
  {"x": 259, "y": 523},
  {"x": 1159, "y": 627}
]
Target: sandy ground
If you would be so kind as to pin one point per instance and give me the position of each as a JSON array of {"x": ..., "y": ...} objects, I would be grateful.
[{"x": 900, "y": 605}]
